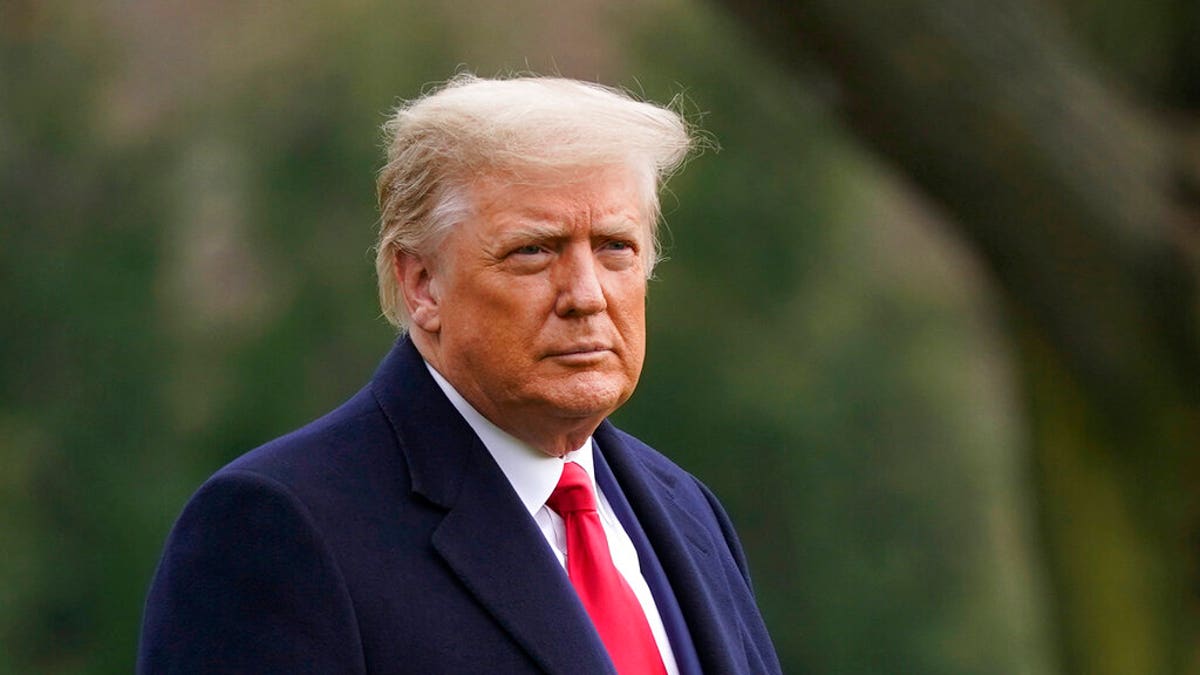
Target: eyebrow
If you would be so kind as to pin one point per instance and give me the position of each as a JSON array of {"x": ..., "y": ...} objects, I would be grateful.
[
  {"x": 533, "y": 232},
  {"x": 540, "y": 226},
  {"x": 617, "y": 225}
]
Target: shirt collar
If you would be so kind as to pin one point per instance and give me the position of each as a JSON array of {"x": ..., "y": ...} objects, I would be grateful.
[{"x": 532, "y": 473}]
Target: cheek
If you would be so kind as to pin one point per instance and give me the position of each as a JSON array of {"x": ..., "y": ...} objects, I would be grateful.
[
  {"x": 630, "y": 319},
  {"x": 631, "y": 303}
]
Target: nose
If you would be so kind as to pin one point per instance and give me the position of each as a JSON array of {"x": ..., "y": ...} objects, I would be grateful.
[{"x": 580, "y": 291}]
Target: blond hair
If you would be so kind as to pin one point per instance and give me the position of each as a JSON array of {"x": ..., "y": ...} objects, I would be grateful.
[{"x": 524, "y": 126}]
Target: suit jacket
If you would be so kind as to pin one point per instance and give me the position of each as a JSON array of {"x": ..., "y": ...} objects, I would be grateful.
[{"x": 383, "y": 538}]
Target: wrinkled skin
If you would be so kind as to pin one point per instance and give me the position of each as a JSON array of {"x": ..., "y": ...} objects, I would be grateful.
[{"x": 534, "y": 309}]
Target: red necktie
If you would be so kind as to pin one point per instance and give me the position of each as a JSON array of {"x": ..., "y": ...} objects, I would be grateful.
[{"x": 606, "y": 596}]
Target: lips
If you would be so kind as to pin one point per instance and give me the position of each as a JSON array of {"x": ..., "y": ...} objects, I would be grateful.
[{"x": 582, "y": 349}]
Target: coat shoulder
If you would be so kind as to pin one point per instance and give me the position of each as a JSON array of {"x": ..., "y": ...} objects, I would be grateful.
[
  {"x": 679, "y": 481},
  {"x": 653, "y": 461},
  {"x": 355, "y": 431}
]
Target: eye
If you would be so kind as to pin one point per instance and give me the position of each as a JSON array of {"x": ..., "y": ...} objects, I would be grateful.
[
  {"x": 619, "y": 245},
  {"x": 528, "y": 249}
]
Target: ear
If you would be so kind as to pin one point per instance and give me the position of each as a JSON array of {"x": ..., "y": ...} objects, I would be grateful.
[{"x": 414, "y": 274}]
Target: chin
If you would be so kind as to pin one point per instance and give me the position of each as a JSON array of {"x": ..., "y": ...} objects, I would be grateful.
[{"x": 590, "y": 397}]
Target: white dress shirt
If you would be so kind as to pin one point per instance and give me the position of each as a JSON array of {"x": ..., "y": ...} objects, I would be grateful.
[{"x": 534, "y": 475}]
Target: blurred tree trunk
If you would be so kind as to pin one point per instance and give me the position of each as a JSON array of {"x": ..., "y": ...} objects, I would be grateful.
[{"x": 1085, "y": 209}]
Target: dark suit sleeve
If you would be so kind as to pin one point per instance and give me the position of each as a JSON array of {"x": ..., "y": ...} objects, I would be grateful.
[
  {"x": 247, "y": 585},
  {"x": 763, "y": 658},
  {"x": 727, "y": 532}
]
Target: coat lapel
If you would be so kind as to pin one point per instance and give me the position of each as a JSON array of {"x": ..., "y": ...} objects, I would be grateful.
[
  {"x": 686, "y": 550},
  {"x": 501, "y": 557},
  {"x": 486, "y": 536}
]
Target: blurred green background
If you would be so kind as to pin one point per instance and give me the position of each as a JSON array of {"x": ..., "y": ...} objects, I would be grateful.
[{"x": 186, "y": 213}]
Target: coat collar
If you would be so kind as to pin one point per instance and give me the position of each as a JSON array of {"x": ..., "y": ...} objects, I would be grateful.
[
  {"x": 486, "y": 535},
  {"x": 685, "y": 549}
]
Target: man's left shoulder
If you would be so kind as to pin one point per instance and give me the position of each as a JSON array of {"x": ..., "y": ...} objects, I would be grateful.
[
  {"x": 649, "y": 459},
  {"x": 652, "y": 477},
  {"x": 684, "y": 487}
]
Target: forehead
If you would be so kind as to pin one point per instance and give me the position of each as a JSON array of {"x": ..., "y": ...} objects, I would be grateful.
[{"x": 604, "y": 194}]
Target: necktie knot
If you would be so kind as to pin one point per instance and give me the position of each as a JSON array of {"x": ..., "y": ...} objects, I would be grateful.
[{"x": 573, "y": 492}]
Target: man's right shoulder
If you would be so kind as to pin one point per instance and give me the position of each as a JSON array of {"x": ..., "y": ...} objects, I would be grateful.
[{"x": 350, "y": 439}]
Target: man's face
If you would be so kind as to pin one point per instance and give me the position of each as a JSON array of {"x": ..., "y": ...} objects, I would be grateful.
[{"x": 540, "y": 300}]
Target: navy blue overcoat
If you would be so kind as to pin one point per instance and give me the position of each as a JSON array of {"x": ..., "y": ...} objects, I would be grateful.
[{"x": 383, "y": 538}]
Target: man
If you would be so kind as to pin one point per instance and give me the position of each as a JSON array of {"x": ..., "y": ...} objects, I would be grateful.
[{"x": 470, "y": 510}]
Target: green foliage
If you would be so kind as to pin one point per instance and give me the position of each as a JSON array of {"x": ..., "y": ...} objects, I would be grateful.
[
  {"x": 186, "y": 274},
  {"x": 846, "y": 403}
]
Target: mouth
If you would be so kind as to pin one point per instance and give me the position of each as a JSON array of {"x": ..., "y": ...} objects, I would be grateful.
[{"x": 580, "y": 353}]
